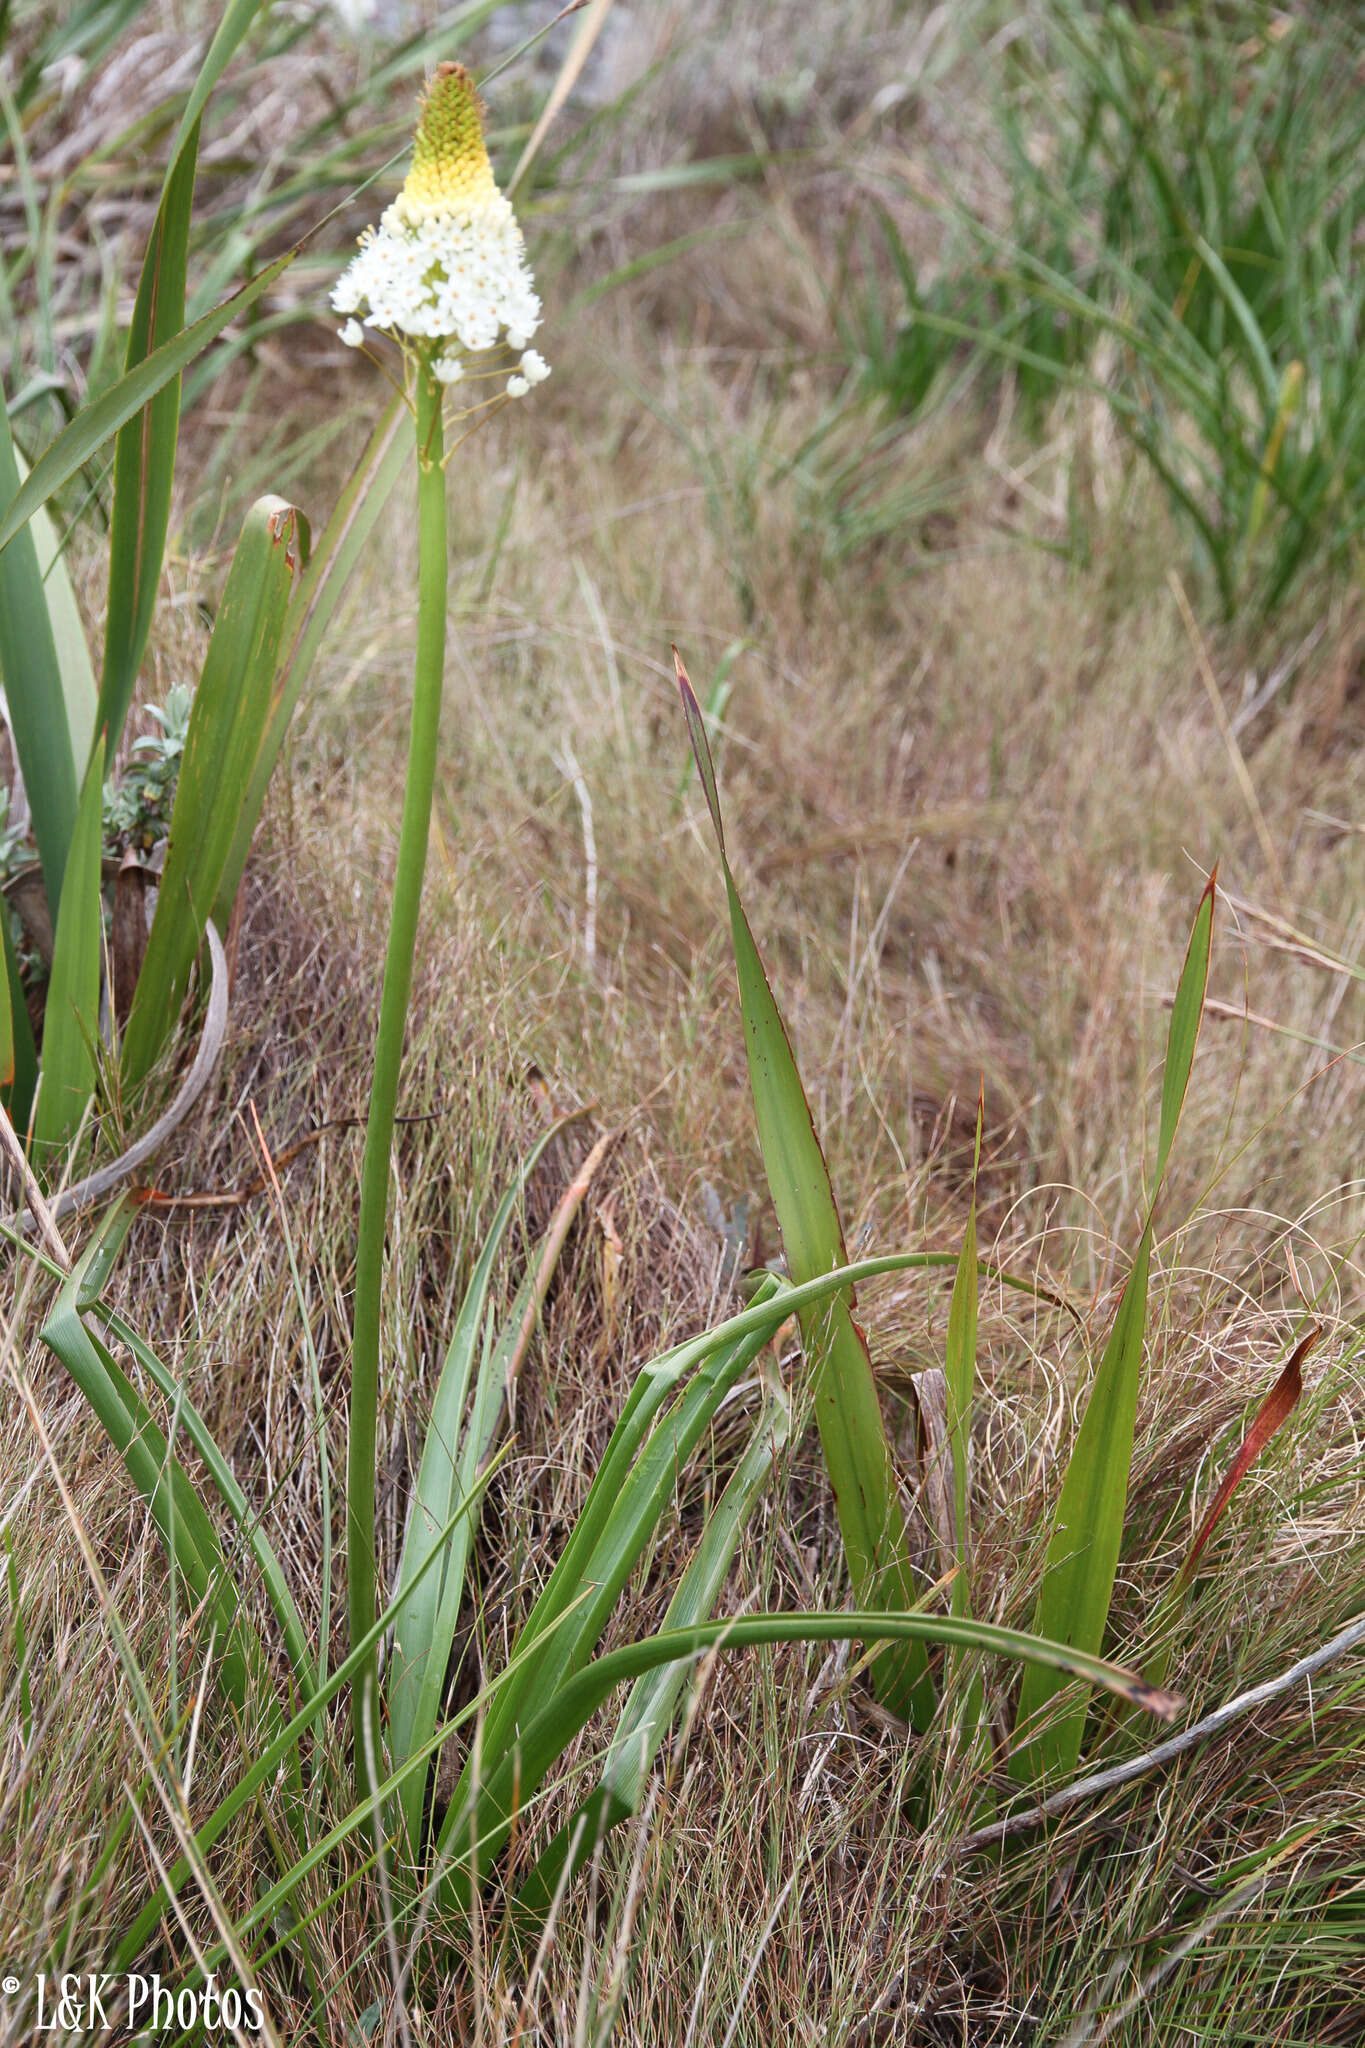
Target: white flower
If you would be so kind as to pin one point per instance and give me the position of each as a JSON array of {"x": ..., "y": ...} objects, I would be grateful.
[
  {"x": 447, "y": 261},
  {"x": 353, "y": 334},
  {"x": 533, "y": 367},
  {"x": 517, "y": 387}
]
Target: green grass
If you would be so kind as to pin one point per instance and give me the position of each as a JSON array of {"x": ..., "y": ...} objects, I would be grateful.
[
  {"x": 1168, "y": 235},
  {"x": 971, "y": 791}
]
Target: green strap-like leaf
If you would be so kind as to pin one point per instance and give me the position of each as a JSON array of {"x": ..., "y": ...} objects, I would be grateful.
[
  {"x": 1186, "y": 1013},
  {"x": 6, "y": 1029},
  {"x": 175, "y": 1507},
  {"x": 847, "y": 1412},
  {"x": 512, "y": 1782},
  {"x": 99, "y": 421},
  {"x": 33, "y": 687},
  {"x": 23, "y": 1080},
  {"x": 334, "y": 555},
  {"x": 229, "y": 714},
  {"x": 648, "y": 1712},
  {"x": 144, "y": 457},
  {"x": 1083, "y": 1554},
  {"x": 631, "y": 1491},
  {"x": 71, "y": 1017},
  {"x": 452, "y": 1455},
  {"x": 960, "y": 1377},
  {"x": 68, "y": 634}
]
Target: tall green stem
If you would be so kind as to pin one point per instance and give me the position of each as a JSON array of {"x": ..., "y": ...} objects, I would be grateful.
[{"x": 388, "y": 1056}]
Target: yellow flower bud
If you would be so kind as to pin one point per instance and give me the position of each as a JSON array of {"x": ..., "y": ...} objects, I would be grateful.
[{"x": 450, "y": 171}]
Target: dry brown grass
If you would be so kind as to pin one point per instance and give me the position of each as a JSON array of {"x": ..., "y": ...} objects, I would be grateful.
[{"x": 973, "y": 798}]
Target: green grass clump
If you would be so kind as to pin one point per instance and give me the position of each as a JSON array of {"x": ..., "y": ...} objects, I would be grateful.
[{"x": 1180, "y": 199}]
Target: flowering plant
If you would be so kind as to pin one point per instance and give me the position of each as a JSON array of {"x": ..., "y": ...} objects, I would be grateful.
[{"x": 447, "y": 265}]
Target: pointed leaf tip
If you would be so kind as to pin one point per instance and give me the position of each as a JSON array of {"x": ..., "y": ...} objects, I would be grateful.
[
  {"x": 701, "y": 748},
  {"x": 1274, "y": 1411},
  {"x": 1187, "y": 1012}
]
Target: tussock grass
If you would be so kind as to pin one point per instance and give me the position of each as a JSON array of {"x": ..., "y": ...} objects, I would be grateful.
[{"x": 971, "y": 793}]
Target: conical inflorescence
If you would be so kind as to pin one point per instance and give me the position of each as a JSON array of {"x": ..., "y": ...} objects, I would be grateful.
[{"x": 447, "y": 264}]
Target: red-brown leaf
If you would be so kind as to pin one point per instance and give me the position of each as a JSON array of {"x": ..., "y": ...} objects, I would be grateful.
[{"x": 1276, "y": 1408}]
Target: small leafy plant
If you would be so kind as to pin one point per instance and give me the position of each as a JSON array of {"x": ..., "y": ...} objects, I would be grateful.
[{"x": 137, "y": 808}]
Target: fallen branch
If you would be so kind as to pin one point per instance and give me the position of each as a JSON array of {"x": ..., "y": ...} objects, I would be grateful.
[{"x": 1136, "y": 1767}]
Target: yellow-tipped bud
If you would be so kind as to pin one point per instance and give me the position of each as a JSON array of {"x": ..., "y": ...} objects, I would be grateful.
[
  {"x": 450, "y": 171},
  {"x": 446, "y": 265}
]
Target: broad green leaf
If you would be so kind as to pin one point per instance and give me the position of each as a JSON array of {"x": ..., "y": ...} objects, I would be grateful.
[
  {"x": 24, "y": 1079},
  {"x": 960, "y": 1375},
  {"x": 230, "y": 709},
  {"x": 847, "y": 1412},
  {"x": 329, "y": 569},
  {"x": 1186, "y": 1012},
  {"x": 68, "y": 634},
  {"x": 171, "y": 1499},
  {"x": 510, "y": 1783},
  {"x": 452, "y": 1456},
  {"x": 66, "y": 1081},
  {"x": 101, "y": 419},
  {"x": 32, "y": 678},
  {"x": 144, "y": 457},
  {"x": 630, "y": 1493},
  {"x": 6, "y": 1032},
  {"x": 648, "y": 1713},
  {"x": 144, "y": 461},
  {"x": 1082, "y": 1556}
]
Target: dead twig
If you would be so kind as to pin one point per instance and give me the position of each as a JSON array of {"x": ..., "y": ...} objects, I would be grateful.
[{"x": 1166, "y": 1752}]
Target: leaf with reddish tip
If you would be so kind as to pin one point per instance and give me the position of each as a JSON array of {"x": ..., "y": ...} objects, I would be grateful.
[
  {"x": 1274, "y": 1411},
  {"x": 701, "y": 748},
  {"x": 852, "y": 1433}
]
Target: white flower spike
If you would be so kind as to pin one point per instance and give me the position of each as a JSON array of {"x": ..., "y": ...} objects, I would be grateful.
[{"x": 447, "y": 263}]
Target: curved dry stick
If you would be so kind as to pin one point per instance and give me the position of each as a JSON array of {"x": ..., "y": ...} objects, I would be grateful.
[
  {"x": 1122, "y": 1774},
  {"x": 106, "y": 1178}
]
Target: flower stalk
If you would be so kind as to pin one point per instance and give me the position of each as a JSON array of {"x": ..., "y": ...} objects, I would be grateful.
[
  {"x": 413, "y": 835},
  {"x": 445, "y": 276}
]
